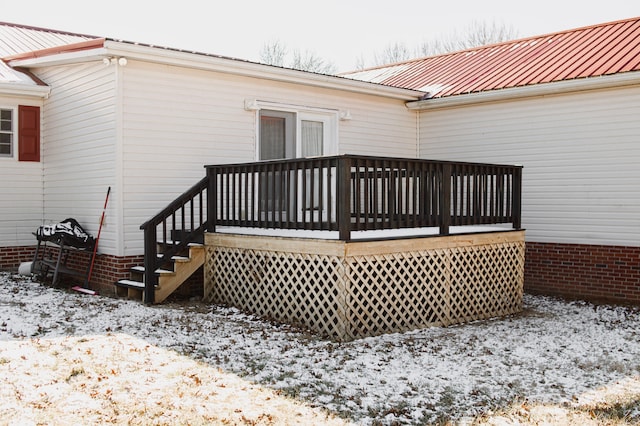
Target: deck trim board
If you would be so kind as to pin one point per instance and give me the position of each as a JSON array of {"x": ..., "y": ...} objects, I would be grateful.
[{"x": 363, "y": 235}]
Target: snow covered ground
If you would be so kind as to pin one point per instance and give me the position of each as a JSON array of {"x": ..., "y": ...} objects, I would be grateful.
[{"x": 80, "y": 358}]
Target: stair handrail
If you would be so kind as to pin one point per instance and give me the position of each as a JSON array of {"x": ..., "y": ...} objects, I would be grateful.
[{"x": 151, "y": 259}]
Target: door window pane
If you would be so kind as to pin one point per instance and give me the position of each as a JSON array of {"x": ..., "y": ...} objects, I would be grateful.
[
  {"x": 272, "y": 137},
  {"x": 277, "y": 135},
  {"x": 312, "y": 134}
]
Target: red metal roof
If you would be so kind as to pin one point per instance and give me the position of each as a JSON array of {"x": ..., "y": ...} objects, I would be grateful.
[{"x": 592, "y": 51}]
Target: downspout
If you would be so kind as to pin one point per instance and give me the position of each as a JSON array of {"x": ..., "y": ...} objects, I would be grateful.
[
  {"x": 42, "y": 159},
  {"x": 418, "y": 134},
  {"x": 119, "y": 157}
]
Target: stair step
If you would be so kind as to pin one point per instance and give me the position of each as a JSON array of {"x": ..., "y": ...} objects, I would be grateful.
[
  {"x": 189, "y": 258},
  {"x": 130, "y": 284},
  {"x": 175, "y": 243},
  {"x": 141, "y": 270}
]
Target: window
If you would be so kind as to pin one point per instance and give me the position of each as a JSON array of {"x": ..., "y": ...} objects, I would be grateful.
[
  {"x": 277, "y": 135},
  {"x": 296, "y": 134},
  {"x": 25, "y": 127},
  {"x": 6, "y": 132}
]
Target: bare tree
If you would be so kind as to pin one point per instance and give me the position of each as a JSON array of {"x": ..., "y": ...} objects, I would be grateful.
[
  {"x": 475, "y": 34},
  {"x": 360, "y": 63},
  {"x": 309, "y": 61},
  {"x": 273, "y": 53},
  {"x": 394, "y": 52},
  {"x": 276, "y": 53}
]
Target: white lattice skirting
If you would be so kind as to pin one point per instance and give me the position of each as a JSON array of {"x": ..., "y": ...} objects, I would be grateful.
[{"x": 348, "y": 290}]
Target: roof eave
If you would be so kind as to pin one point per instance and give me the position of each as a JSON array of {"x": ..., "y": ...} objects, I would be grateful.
[
  {"x": 105, "y": 48},
  {"x": 57, "y": 50},
  {"x": 253, "y": 69},
  {"x": 24, "y": 91},
  {"x": 554, "y": 88},
  {"x": 62, "y": 58}
]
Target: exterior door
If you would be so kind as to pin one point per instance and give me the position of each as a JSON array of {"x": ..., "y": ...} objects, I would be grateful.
[{"x": 285, "y": 135}]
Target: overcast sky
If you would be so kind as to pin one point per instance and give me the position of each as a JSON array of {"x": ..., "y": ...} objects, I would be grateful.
[{"x": 339, "y": 31}]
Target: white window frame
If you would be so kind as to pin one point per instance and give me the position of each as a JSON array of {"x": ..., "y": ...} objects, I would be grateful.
[
  {"x": 329, "y": 117},
  {"x": 12, "y": 132}
]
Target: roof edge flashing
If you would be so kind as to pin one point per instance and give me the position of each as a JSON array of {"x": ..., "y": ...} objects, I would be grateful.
[{"x": 545, "y": 89}]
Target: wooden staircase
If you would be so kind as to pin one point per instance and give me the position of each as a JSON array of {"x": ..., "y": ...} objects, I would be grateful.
[
  {"x": 179, "y": 269},
  {"x": 173, "y": 247}
]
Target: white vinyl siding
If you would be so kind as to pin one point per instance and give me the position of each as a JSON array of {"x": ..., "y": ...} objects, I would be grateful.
[
  {"x": 176, "y": 121},
  {"x": 20, "y": 191},
  {"x": 580, "y": 152},
  {"x": 79, "y": 130}
]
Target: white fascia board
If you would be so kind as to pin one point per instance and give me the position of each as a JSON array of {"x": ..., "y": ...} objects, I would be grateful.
[
  {"x": 61, "y": 58},
  {"x": 252, "y": 69},
  {"x": 545, "y": 89},
  {"x": 23, "y": 90}
]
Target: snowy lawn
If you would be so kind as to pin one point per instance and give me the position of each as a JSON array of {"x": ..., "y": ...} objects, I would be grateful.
[{"x": 71, "y": 358}]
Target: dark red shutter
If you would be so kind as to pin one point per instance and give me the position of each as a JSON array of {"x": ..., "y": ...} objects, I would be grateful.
[{"x": 28, "y": 133}]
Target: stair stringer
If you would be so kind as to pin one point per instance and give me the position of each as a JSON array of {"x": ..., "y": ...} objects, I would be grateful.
[{"x": 184, "y": 267}]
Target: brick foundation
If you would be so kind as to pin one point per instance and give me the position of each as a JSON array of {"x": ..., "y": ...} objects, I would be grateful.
[
  {"x": 12, "y": 257},
  {"x": 589, "y": 272},
  {"x": 107, "y": 269}
]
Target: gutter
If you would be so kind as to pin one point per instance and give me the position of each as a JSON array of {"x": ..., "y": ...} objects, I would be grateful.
[
  {"x": 107, "y": 48},
  {"x": 545, "y": 89},
  {"x": 23, "y": 90}
]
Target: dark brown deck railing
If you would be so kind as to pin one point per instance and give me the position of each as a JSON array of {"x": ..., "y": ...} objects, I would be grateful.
[
  {"x": 180, "y": 223},
  {"x": 341, "y": 193},
  {"x": 358, "y": 193}
]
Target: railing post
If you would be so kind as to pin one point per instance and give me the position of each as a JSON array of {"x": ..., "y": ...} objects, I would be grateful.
[
  {"x": 516, "y": 207},
  {"x": 212, "y": 200},
  {"x": 445, "y": 199},
  {"x": 344, "y": 198},
  {"x": 150, "y": 255}
]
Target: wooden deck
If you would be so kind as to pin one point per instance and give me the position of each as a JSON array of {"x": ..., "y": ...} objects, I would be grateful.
[{"x": 353, "y": 246}]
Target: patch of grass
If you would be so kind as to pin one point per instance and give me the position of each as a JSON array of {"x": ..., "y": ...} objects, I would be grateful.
[
  {"x": 619, "y": 411},
  {"x": 75, "y": 371}
]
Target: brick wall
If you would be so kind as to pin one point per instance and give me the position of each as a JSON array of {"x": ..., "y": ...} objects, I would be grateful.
[
  {"x": 106, "y": 271},
  {"x": 590, "y": 272},
  {"x": 12, "y": 257},
  {"x": 109, "y": 269}
]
